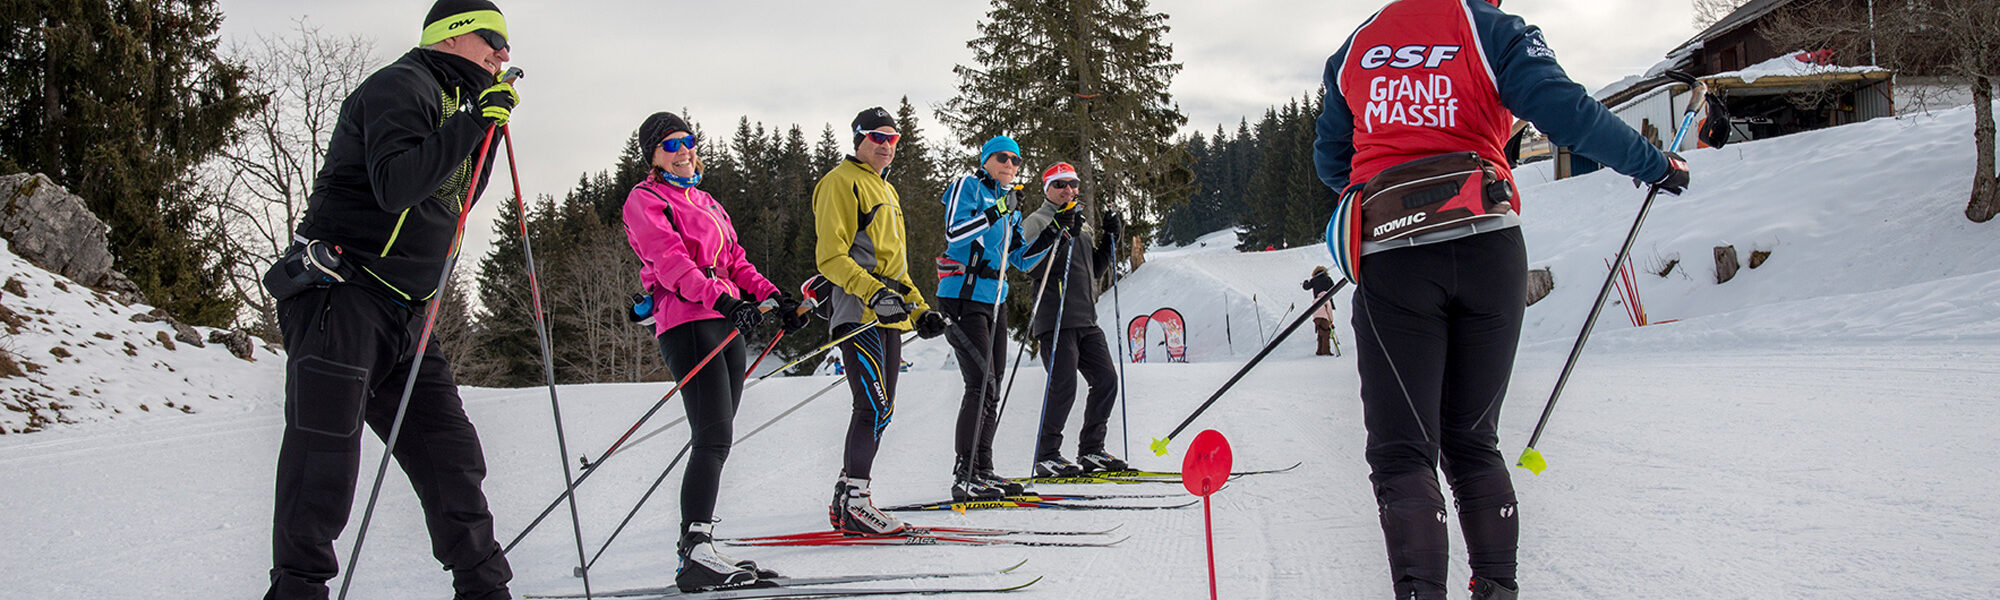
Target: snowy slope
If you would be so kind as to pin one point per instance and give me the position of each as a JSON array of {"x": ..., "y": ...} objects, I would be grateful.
[
  {"x": 1820, "y": 427},
  {"x": 86, "y": 360}
]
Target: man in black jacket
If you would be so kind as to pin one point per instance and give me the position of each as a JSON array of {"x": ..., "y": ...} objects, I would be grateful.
[
  {"x": 1066, "y": 327},
  {"x": 378, "y": 233}
]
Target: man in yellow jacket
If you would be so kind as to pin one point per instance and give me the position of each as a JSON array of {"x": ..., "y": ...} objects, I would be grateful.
[{"x": 861, "y": 252}]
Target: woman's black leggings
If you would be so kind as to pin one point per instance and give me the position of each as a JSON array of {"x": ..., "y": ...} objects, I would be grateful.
[{"x": 710, "y": 396}]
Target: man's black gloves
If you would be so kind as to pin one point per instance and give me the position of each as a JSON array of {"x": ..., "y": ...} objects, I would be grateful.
[{"x": 930, "y": 324}]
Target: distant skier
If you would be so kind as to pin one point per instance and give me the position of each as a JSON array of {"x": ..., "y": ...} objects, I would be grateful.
[
  {"x": 980, "y": 226},
  {"x": 703, "y": 288},
  {"x": 864, "y": 262},
  {"x": 1422, "y": 95},
  {"x": 1073, "y": 344},
  {"x": 375, "y": 239},
  {"x": 1319, "y": 284}
]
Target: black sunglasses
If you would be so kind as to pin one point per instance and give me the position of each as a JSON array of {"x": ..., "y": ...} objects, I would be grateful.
[
  {"x": 493, "y": 38},
  {"x": 1064, "y": 184},
  {"x": 1007, "y": 158}
]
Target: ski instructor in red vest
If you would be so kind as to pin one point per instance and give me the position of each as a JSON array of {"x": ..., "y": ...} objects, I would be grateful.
[{"x": 1418, "y": 105}]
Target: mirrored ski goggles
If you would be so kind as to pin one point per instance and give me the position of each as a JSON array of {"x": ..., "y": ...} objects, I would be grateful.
[
  {"x": 879, "y": 137},
  {"x": 678, "y": 144}
]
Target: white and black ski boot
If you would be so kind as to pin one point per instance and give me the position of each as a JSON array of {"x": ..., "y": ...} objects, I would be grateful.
[
  {"x": 967, "y": 485},
  {"x": 859, "y": 516},
  {"x": 1057, "y": 467},
  {"x": 762, "y": 573},
  {"x": 1101, "y": 462},
  {"x": 1006, "y": 486},
  {"x": 1488, "y": 589},
  {"x": 701, "y": 569},
  {"x": 838, "y": 506}
]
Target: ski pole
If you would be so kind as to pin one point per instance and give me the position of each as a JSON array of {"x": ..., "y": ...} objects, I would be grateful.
[
  {"x": 1055, "y": 339},
  {"x": 752, "y": 383},
  {"x": 591, "y": 467},
  {"x": 423, "y": 345},
  {"x": 1531, "y": 459},
  {"x": 1160, "y": 444},
  {"x": 1124, "y": 419},
  {"x": 548, "y": 360},
  {"x": 1014, "y": 372},
  {"x": 690, "y": 445},
  {"x": 999, "y": 300}
]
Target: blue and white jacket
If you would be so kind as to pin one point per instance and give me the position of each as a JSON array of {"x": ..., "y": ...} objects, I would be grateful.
[{"x": 973, "y": 242}]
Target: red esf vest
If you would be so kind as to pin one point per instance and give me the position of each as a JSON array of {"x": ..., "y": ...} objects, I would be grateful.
[{"x": 1417, "y": 81}]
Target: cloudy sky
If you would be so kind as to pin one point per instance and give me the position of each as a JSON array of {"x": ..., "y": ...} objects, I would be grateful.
[{"x": 596, "y": 68}]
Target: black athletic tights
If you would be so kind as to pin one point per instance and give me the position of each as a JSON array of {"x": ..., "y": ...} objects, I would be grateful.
[
  {"x": 873, "y": 358},
  {"x": 710, "y": 397},
  {"x": 1437, "y": 327},
  {"x": 979, "y": 407}
]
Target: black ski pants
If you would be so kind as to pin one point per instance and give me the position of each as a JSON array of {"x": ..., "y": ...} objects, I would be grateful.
[
  {"x": 1067, "y": 352},
  {"x": 982, "y": 358},
  {"x": 711, "y": 397},
  {"x": 872, "y": 358},
  {"x": 1437, "y": 327},
  {"x": 349, "y": 353}
]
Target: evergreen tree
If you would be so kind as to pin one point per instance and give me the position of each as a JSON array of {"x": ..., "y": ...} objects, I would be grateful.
[
  {"x": 119, "y": 102},
  {"x": 1085, "y": 82},
  {"x": 508, "y": 348},
  {"x": 920, "y": 181}
]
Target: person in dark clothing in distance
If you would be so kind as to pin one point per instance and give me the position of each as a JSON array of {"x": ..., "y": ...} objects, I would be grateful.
[
  {"x": 375, "y": 240},
  {"x": 1320, "y": 284},
  {"x": 1066, "y": 328},
  {"x": 1437, "y": 310}
]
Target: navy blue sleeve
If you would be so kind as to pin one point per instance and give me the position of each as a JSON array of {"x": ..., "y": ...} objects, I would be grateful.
[
  {"x": 1535, "y": 88},
  {"x": 1333, "y": 150}
]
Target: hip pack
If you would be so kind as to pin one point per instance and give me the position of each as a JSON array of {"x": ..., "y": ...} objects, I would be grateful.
[
  {"x": 1432, "y": 194},
  {"x": 1428, "y": 194}
]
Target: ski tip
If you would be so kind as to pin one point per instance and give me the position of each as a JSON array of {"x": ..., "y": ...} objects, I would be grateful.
[
  {"x": 1016, "y": 587},
  {"x": 1016, "y": 566},
  {"x": 1531, "y": 459},
  {"x": 1160, "y": 446}
]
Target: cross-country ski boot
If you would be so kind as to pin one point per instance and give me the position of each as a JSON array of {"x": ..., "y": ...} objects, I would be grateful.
[
  {"x": 762, "y": 573},
  {"x": 1057, "y": 466},
  {"x": 983, "y": 469},
  {"x": 1101, "y": 462},
  {"x": 967, "y": 485},
  {"x": 701, "y": 569},
  {"x": 1488, "y": 589},
  {"x": 859, "y": 516}
]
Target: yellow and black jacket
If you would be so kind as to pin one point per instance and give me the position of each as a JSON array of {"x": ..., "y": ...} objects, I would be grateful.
[
  {"x": 861, "y": 245},
  {"x": 397, "y": 170}
]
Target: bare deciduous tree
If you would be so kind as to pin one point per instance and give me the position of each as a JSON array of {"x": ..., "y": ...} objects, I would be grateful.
[
  {"x": 1959, "y": 39},
  {"x": 264, "y": 176},
  {"x": 1707, "y": 12}
]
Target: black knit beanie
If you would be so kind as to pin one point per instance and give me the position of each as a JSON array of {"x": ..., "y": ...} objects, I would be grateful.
[
  {"x": 655, "y": 130},
  {"x": 446, "y": 8},
  {"x": 869, "y": 120}
]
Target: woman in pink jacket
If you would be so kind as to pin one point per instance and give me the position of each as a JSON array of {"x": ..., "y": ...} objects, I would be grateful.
[{"x": 703, "y": 289}]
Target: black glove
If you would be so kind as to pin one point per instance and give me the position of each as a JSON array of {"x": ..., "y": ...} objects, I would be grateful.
[
  {"x": 788, "y": 311},
  {"x": 993, "y": 215},
  {"x": 889, "y": 307},
  {"x": 743, "y": 315},
  {"x": 1676, "y": 179},
  {"x": 496, "y": 104},
  {"x": 930, "y": 324},
  {"x": 1069, "y": 219},
  {"x": 1114, "y": 224},
  {"x": 641, "y": 311}
]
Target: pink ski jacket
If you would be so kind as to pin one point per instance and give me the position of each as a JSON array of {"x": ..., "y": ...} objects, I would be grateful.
[{"x": 688, "y": 253}]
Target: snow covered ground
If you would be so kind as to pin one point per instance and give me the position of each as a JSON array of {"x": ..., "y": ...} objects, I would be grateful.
[{"x": 1820, "y": 426}]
